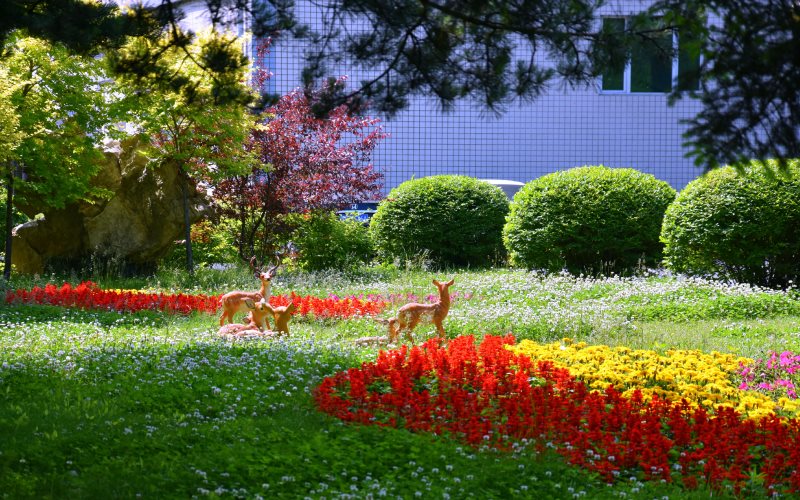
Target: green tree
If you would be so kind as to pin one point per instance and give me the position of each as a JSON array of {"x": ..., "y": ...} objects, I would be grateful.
[
  {"x": 10, "y": 137},
  {"x": 90, "y": 27},
  {"x": 198, "y": 119},
  {"x": 54, "y": 110}
]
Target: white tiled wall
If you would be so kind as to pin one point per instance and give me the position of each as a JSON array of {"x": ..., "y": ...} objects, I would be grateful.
[{"x": 559, "y": 130}]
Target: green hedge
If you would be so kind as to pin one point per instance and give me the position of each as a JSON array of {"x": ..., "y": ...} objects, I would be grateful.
[
  {"x": 451, "y": 219},
  {"x": 743, "y": 226},
  {"x": 325, "y": 242},
  {"x": 591, "y": 219}
]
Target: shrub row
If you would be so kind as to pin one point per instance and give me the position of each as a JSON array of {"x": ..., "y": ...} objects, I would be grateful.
[{"x": 742, "y": 225}]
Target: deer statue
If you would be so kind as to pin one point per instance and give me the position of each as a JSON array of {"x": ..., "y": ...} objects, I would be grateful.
[
  {"x": 282, "y": 315},
  {"x": 255, "y": 324},
  {"x": 410, "y": 315},
  {"x": 259, "y": 312},
  {"x": 239, "y": 330},
  {"x": 234, "y": 302}
]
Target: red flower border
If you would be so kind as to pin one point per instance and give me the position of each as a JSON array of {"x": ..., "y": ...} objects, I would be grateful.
[{"x": 88, "y": 295}]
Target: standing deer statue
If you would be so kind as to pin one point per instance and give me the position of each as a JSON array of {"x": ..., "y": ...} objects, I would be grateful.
[
  {"x": 410, "y": 315},
  {"x": 282, "y": 315},
  {"x": 234, "y": 302}
]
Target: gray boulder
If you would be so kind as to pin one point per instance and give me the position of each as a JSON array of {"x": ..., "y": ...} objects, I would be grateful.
[{"x": 137, "y": 225}]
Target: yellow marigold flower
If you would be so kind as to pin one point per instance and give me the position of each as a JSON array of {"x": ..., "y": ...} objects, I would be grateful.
[{"x": 703, "y": 379}]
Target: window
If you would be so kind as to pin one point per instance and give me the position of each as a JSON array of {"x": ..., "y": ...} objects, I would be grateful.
[{"x": 651, "y": 66}]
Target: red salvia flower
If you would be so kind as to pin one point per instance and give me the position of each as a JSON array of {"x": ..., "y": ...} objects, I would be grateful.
[
  {"x": 88, "y": 295},
  {"x": 487, "y": 395}
]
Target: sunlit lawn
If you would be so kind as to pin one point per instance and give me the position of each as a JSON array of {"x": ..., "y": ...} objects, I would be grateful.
[{"x": 101, "y": 404}]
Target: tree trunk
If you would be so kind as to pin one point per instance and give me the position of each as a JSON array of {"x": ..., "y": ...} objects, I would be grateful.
[
  {"x": 187, "y": 226},
  {"x": 9, "y": 219}
]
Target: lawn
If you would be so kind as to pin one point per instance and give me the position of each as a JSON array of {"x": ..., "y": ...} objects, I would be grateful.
[{"x": 99, "y": 404}]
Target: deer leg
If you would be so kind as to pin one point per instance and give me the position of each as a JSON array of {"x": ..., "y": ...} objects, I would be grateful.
[
  {"x": 394, "y": 331},
  {"x": 439, "y": 328},
  {"x": 411, "y": 325},
  {"x": 222, "y": 318}
]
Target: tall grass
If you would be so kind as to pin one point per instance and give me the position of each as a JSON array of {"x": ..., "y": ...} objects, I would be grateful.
[{"x": 100, "y": 404}]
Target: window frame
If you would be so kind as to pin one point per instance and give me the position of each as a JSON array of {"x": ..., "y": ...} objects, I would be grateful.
[{"x": 627, "y": 72}]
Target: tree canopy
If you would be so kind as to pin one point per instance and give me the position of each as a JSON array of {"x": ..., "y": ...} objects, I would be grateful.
[
  {"x": 90, "y": 27},
  {"x": 490, "y": 51},
  {"x": 749, "y": 76},
  {"x": 58, "y": 106}
]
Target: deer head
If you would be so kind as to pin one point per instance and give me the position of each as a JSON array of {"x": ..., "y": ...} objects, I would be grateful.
[
  {"x": 259, "y": 272},
  {"x": 259, "y": 313},
  {"x": 265, "y": 276}
]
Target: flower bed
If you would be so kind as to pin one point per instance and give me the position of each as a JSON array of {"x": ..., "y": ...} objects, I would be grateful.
[
  {"x": 778, "y": 376},
  {"x": 88, "y": 295},
  {"x": 709, "y": 380},
  {"x": 491, "y": 395}
]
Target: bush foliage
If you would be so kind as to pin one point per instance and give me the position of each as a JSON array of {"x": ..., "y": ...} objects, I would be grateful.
[
  {"x": 212, "y": 243},
  {"x": 742, "y": 225},
  {"x": 453, "y": 219},
  {"x": 588, "y": 219},
  {"x": 326, "y": 242}
]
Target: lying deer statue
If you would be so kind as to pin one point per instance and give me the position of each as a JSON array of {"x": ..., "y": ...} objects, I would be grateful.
[
  {"x": 256, "y": 320},
  {"x": 234, "y": 302},
  {"x": 410, "y": 315}
]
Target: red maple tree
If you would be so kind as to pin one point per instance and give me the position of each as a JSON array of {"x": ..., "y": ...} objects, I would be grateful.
[{"x": 306, "y": 163}]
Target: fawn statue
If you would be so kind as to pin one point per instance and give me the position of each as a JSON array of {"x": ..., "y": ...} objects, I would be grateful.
[
  {"x": 410, "y": 315},
  {"x": 256, "y": 320},
  {"x": 282, "y": 315}
]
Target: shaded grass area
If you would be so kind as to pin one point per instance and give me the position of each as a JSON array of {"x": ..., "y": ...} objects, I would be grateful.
[
  {"x": 181, "y": 414},
  {"x": 99, "y": 404}
]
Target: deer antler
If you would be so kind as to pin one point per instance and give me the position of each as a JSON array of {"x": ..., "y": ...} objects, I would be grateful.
[
  {"x": 277, "y": 260},
  {"x": 255, "y": 266}
]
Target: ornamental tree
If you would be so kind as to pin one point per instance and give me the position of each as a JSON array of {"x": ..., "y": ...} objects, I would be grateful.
[
  {"x": 200, "y": 123},
  {"x": 306, "y": 163},
  {"x": 54, "y": 110}
]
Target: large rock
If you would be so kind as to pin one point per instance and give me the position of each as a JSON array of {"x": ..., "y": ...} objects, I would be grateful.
[{"x": 137, "y": 225}]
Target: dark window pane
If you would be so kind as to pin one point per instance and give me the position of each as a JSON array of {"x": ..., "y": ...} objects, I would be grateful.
[
  {"x": 651, "y": 63},
  {"x": 688, "y": 63},
  {"x": 613, "y": 75}
]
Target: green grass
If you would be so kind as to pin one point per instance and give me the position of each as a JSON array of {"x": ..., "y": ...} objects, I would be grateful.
[{"x": 101, "y": 405}]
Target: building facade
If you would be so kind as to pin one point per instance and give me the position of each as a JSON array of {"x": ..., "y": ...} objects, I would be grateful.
[{"x": 622, "y": 120}]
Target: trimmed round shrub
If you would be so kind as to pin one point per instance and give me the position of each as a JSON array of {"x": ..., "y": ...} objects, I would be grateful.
[
  {"x": 450, "y": 219},
  {"x": 588, "y": 219},
  {"x": 743, "y": 226},
  {"x": 325, "y": 242}
]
